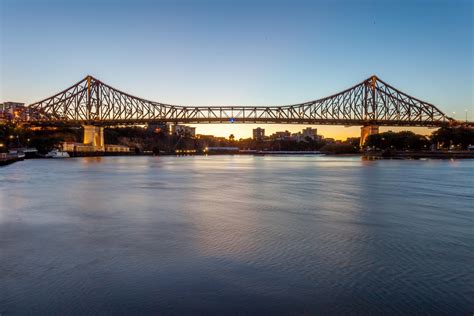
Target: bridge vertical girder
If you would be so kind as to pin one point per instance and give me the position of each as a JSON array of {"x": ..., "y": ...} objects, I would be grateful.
[
  {"x": 88, "y": 107},
  {"x": 373, "y": 85}
]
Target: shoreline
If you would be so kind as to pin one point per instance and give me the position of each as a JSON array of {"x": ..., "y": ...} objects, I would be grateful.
[
  {"x": 420, "y": 155},
  {"x": 9, "y": 161},
  {"x": 376, "y": 155}
]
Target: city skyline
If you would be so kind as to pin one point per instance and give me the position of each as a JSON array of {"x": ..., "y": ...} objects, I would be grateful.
[{"x": 208, "y": 53}]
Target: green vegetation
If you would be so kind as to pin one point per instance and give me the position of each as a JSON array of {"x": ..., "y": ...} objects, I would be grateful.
[
  {"x": 398, "y": 141},
  {"x": 44, "y": 140},
  {"x": 460, "y": 137},
  {"x": 445, "y": 137}
]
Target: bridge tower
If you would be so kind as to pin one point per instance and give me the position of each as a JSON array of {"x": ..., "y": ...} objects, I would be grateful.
[
  {"x": 366, "y": 131},
  {"x": 371, "y": 110},
  {"x": 94, "y": 136}
]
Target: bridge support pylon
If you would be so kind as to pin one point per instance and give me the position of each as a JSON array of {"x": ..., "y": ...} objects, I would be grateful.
[
  {"x": 94, "y": 136},
  {"x": 366, "y": 131}
]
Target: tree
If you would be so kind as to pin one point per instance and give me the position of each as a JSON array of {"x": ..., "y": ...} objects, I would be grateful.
[
  {"x": 344, "y": 148},
  {"x": 398, "y": 141},
  {"x": 453, "y": 136}
]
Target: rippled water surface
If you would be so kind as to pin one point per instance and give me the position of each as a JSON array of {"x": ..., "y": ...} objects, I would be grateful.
[{"x": 236, "y": 235}]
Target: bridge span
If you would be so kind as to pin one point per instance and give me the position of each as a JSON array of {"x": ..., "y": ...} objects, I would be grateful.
[{"x": 371, "y": 103}]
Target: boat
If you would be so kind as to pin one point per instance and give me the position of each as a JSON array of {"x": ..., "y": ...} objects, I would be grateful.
[
  {"x": 17, "y": 153},
  {"x": 25, "y": 152},
  {"x": 56, "y": 153}
]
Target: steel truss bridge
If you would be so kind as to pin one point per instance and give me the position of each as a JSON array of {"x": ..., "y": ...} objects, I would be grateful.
[{"x": 371, "y": 102}]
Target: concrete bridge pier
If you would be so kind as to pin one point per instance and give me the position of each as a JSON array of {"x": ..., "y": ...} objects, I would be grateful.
[
  {"x": 366, "y": 131},
  {"x": 94, "y": 136}
]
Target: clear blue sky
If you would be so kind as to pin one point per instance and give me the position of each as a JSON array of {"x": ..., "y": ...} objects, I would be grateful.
[{"x": 240, "y": 52}]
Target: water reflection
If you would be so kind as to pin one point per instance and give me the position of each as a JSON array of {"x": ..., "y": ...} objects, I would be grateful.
[{"x": 221, "y": 234}]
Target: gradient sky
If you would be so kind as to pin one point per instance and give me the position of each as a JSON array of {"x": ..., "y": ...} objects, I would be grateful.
[{"x": 240, "y": 52}]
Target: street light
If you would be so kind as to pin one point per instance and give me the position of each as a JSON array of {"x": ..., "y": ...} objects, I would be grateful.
[{"x": 466, "y": 114}]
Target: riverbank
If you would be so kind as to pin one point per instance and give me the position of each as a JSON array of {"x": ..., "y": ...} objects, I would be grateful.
[
  {"x": 420, "y": 154},
  {"x": 366, "y": 155},
  {"x": 6, "y": 159},
  {"x": 239, "y": 152}
]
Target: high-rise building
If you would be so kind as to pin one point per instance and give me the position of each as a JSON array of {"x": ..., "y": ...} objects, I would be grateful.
[
  {"x": 310, "y": 132},
  {"x": 258, "y": 133},
  {"x": 183, "y": 130},
  {"x": 281, "y": 135},
  {"x": 14, "y": 110}
]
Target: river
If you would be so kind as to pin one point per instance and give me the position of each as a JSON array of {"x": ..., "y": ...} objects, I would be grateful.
[{"x": 299, "y": 235}]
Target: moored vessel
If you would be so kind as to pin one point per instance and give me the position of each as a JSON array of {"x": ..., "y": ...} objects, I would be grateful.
[{"x": 56, "y": 153}]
